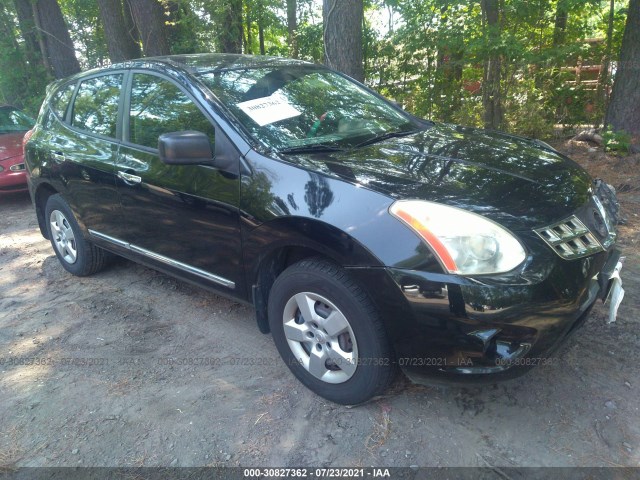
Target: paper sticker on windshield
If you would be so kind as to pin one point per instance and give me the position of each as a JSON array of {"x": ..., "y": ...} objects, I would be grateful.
[{"x": 268, "y": 110}]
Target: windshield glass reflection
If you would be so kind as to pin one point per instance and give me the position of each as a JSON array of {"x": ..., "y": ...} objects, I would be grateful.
[{"x": 301, "y": 106}]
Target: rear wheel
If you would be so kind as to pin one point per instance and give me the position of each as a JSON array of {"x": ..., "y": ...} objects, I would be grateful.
[
  {"x": 75, "y": 253},
  {"x": 329, "y": 333}
]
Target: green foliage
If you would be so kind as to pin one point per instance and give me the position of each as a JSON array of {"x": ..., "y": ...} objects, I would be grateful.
[
  {"x": 260, "y": 13},
  {"x": 469, "y": 112},
  {"x": 22, "y": 84},
  {"x": 429, "y": 55},
  {"x": 616, "y": 141},
  {"x": 309, "y": 32},
  {"x": 527, "y": 112},
  {"x": 575, "y": 105},
  {"x": 310, "y": 42},
  {"x": 182, "y": 23},
  {"x": 434, "y": 61},
  {"x": 85, "y": 28}
]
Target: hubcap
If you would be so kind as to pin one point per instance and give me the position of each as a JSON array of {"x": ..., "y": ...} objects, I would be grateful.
[
  {"x": 320, "y": 337},
  {"x": 63, "y": 237}
]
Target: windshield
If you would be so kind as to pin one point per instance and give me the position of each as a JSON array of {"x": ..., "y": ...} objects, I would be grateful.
[
  {"x": 13, "y": 120},
  {"x": 301, "y": 106}
]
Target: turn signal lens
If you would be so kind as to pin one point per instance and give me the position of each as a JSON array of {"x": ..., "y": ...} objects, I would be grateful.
[{"x": 465, "y": 243}]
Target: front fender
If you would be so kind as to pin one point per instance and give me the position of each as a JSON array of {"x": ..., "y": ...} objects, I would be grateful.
[
  {"x": 302, "y": 233},
  {"x": 283, "y": 202}
]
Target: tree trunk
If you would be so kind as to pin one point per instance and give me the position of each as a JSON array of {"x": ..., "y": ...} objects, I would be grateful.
[
  {"x": 261, "y": 37},
  {"x": 292, "y": 27},
  {"x": 28, "y": 32},
  {"x": 248, "y": 48},
  {"x": 261, "y": 24},
  {"x": 130, "y": 24},
  {"x": 603, "y": 84},
  {"x": 342, "y": 35},
  {"x": 491, "y": 85},
  {"x": 229, "y": 26},
  {"x": 448, "y": 78},
  {"x": 54, "y": 39},
  {"x": 453, "y": 75},
  {"x": 42, "y": 42},
  {"x": 624, "y": 109},
  {"x": 148, "y": 16},
  {"x": 560, "y": 27},
  {"x": 121, "y": 46}
]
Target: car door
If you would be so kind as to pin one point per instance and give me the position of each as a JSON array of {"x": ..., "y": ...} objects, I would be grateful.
[
  {"x": 81, "y": 147},
  {"x": 183, "y": 216}
]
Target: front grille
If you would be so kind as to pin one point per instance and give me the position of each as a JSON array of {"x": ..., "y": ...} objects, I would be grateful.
[
  {"x": 570, "y": 238},
  {"x": 590, "y": 230}
]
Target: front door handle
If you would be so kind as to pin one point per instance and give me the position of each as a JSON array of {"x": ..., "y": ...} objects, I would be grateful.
[
  {"x": 58, "y": 157},
  {"x": 129, "y": 179}
]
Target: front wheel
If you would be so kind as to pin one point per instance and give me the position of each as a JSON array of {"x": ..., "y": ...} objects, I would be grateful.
[{"x": 328, "y": 333}]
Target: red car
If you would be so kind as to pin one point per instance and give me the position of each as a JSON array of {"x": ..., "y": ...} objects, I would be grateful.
[{"x": 13, "y": 126}]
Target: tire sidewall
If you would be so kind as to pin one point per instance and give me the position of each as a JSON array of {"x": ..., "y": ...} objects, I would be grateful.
[
  {"x": 371, "y": 352},
  {"x": 56, "y": 202}
]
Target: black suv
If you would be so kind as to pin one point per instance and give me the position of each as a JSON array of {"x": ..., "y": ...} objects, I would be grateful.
[{"x": 365, "y": 238}]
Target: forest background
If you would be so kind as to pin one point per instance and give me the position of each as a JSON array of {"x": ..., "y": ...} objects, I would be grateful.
[{"x": 539, "y": 68}]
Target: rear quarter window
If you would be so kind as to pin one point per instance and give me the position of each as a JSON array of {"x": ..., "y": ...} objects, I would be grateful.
[
  {"x": 60, "y": 100},
  {"x": 48, "y": 119}
]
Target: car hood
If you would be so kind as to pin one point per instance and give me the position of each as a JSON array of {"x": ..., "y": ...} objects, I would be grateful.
[
  {"x": 11, "y": 145},
  {"x": 517, "y": 182}
]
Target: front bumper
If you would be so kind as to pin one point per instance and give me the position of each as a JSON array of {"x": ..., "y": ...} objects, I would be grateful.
[{"x": 470, "y": 329}]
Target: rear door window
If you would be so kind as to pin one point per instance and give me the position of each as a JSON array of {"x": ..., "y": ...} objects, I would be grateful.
[{"x": 95, "y": 108}]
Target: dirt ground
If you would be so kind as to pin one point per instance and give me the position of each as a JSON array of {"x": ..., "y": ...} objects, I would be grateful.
[{"x": 96, "y": 372}]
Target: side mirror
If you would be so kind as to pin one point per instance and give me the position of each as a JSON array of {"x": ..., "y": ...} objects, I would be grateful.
[{"x": 185, "y": 148}]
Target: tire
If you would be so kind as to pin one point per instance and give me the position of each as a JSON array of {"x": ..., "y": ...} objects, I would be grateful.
[
  {"x": 76, "y": 254},
  {"x": 329, "y": 334}
]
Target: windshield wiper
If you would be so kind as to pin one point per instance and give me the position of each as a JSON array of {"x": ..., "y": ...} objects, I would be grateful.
[
  {"x": 385, "y": 136},
  {"x": 313, "y": 147}
]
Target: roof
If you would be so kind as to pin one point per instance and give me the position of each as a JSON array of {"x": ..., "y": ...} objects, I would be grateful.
[
  {"x": 192, "y": 63},
  {"x": 202, "y": 62}
]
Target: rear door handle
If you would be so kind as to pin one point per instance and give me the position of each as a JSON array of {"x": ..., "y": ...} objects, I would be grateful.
[
  {"x": 58, "y": 157},
  {"x": 129, "y": 179}
]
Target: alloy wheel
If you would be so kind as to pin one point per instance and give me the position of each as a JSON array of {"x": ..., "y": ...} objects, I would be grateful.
[
  {"x": 320, "y": 337},
  {"x": 63, "y": 236}
]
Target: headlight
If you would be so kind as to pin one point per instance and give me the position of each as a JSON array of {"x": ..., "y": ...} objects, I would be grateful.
[{"x": 465, "y": 243}]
